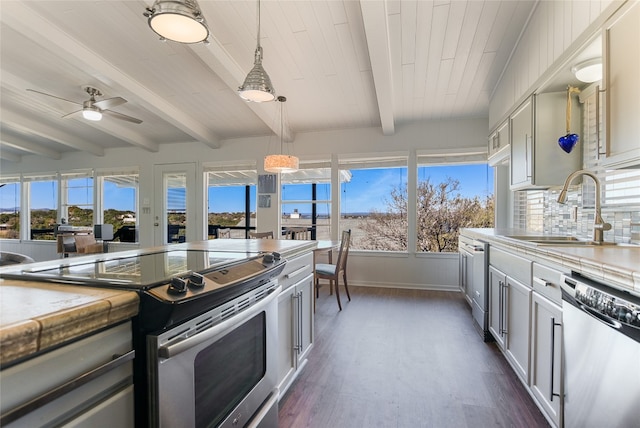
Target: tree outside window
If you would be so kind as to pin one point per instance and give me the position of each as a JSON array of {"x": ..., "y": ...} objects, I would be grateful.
[{"x": 10, "y": 208}]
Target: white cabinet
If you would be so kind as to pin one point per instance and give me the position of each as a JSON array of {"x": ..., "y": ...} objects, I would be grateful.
[
  {"x": 546, "y": 356},
  {"x": 499, "y": 141},
  {"x": 88, "y": 383},
  {"x": 537, "y": 161},
  {"x": 510, "y": 307},
  {"x": 295, "y": 319},
  {"x": 622, "y": 87}
]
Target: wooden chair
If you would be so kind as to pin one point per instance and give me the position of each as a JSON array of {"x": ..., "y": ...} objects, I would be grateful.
[
  {"x": 224, "y": 233},
  {"x": 261, "y": 235},
  {"x": 332, "y": 272},
  {"x": 298, "y": 233}
]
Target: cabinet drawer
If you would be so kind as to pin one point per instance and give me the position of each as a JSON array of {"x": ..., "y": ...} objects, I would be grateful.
[
  {"x": 295, "y": 270},
  {"x": 514, "y": 266},
  {"x": 546, "y": 281}
]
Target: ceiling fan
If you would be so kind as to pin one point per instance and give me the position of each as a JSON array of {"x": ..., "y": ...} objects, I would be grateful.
[{"x": 92, "y": 109}]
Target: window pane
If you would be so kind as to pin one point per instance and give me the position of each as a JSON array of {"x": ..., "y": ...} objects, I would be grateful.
[
  {"x": 119, "y": 195},
  {"x": 450, "y": 197},
  {"x": 10, "y": 210},
  {"x": 226, "y": 208},
  {"x": 299, "y": 202},
  {"x": 79, "y": 205},
  {"x": 373, "y": 205},
  {"x": 43, "y": 209}
]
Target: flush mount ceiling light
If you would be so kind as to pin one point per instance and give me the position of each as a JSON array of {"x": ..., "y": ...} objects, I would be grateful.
[
  {"x": 178, "y": 20},
  {"x": 588, "y": 71},
  {"x": 257, "y": 86},
  {"x": 281, "y": 163}
]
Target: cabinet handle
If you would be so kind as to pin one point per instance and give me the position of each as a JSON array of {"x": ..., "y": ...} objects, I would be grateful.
[
  {"x": 526, "y": 154},
  {"x": 65, "y": 388},
  {"x": 503, "y": 330},
  {"x": 599, "y": 151},
  {"x": 553, "y": 356},
  {"x": 296, "y": 321},
  {"x": 300, "y": 303}
]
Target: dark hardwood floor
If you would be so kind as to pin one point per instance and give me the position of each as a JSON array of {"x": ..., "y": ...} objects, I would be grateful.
[{"x": 404, "y": 358}]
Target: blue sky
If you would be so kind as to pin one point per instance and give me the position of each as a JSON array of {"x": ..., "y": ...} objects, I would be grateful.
[{"x": 367, "y": 190}]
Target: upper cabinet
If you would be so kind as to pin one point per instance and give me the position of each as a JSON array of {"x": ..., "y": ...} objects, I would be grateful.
[
  {"x": 537, "y": 161},
  {"x": 621, "y": 40},
  {"x": 499, "y": 142}
]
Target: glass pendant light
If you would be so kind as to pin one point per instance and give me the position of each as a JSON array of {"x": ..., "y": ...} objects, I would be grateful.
[{"x": 281, "y": 163}]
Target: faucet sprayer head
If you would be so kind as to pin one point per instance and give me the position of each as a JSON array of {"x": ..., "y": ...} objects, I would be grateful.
[{"x": 562, "y": 197}]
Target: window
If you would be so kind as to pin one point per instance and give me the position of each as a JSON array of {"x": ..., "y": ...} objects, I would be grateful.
[
  {"x": 453, "y": 191},
  {"x": 43, "y": 205},
  {"x": 77, "y": 198},
  {"x": 10, "y": 208},
  {"x": 119, "y": 193},
  {"x": 373, "y": 203},
  {"x": 231, "y": 199},
  {"x": 306, "y": 199}
]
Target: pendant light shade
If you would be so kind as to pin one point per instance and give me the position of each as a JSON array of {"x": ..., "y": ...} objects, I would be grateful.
[
  {"x": 178, "y": 20},
  {"x": 281, "y": 163},
  {"x": 257, "y": 86}
]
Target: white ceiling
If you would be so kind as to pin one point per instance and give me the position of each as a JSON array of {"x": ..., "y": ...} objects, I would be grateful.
[{"x": 341, "y": 64}]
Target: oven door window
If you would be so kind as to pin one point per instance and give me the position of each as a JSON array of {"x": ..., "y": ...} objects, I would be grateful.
[{"x": 228, "y": 369}]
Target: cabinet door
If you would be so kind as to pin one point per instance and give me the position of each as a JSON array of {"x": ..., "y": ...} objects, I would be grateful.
[
  {"x": 546, "y": 355},
  {"x": 306, "y": 334},
  {"x": 518, "y": 327},
  {"x": 287, "y": 355},
  {"x": 622, "y": 68},
  {"x": 522, "y": 143},
  {"x": 496, "y": 305}
]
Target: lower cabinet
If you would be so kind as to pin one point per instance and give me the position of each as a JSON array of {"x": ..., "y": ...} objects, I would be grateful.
[
  {"x": 546, "y": 356},
  {"x": 295, "y": 319},
  {"x": 88, "y": 383}
]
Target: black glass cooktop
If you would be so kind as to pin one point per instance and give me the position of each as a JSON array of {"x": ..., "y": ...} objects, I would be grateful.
[{"x": 134, "y": 272}]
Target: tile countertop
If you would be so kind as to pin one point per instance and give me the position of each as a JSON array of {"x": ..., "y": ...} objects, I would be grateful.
[
  {"x": 35, "y": 316},
  {"x": 617, "y": 266}
]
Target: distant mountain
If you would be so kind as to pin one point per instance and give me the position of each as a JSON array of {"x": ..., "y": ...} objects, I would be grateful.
[{"x": 4, "y": 210}]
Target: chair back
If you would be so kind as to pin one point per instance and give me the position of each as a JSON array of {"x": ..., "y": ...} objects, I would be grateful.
[
  {"x": 224, "y": 233},
  {"x": 341, "y": 263},
  {"x": 298, "y": 233},
  {"x": 261, "y": 235}
]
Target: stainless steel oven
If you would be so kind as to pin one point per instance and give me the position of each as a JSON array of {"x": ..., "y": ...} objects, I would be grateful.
[
  {"x": 218, "y": 369},
  {"x": 205, "y": 334}
]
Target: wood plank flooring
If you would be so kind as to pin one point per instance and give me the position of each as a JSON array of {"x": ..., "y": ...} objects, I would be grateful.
[{"x": 404, "y": 358}]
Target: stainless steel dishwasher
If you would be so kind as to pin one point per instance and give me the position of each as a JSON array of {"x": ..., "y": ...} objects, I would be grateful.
[{"x": 602, "y": 355}]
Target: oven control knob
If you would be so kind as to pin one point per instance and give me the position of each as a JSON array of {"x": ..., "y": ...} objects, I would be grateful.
[
  {"x": 267, "y": 258},
  {"x": 276, "y": 256},
  {"x": 177, "y": 286},
  {"x": 196, "y": 280}
]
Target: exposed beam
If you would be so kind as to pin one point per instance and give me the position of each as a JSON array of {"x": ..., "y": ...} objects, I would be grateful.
[
  {"x": 374, "y": 17},
  {"x": 9, "y": 156},
  {"x": 31, "y": 126},
  {"x": 27, "y": 21},
  {"x": 17, "y": 84},
  {"x": 28, "y": 146}
]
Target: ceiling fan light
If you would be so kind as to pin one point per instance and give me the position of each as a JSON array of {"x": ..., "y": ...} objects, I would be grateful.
[
  {"x": 91, "y": 113},
  {"x": 588, "y": 71},
  {"x": 178, "y": 20},
  {"x": 281, "y": 163}
]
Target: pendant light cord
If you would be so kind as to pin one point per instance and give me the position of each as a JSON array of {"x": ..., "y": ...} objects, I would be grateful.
[{"x": 258, "y": 19}]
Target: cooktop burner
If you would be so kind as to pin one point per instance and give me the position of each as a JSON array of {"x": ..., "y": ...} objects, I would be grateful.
[{"x": 139, "y": 272}]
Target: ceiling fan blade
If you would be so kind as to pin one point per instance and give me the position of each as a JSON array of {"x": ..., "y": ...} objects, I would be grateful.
[
  {"x": 66, "y": 116},
  {"x": 53, "y": 96},
  {"x": 109, "y": 103},
  {"x": 121, "y": 116}
]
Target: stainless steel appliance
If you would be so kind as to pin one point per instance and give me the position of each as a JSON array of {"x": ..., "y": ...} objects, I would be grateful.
[
  {"x": 473, "y": 274},
  {"x": 205, "y": 335},
  {"x": 602, "y": 355}
]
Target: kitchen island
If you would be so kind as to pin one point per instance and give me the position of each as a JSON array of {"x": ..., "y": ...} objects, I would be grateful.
[{"x": 46, "y": 324}]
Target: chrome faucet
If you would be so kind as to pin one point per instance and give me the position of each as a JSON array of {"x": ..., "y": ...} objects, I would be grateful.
[{"x": 599, "y": 225}]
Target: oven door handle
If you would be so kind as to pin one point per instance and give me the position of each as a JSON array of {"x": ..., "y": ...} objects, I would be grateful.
[{"x": 168, "y": 351}]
